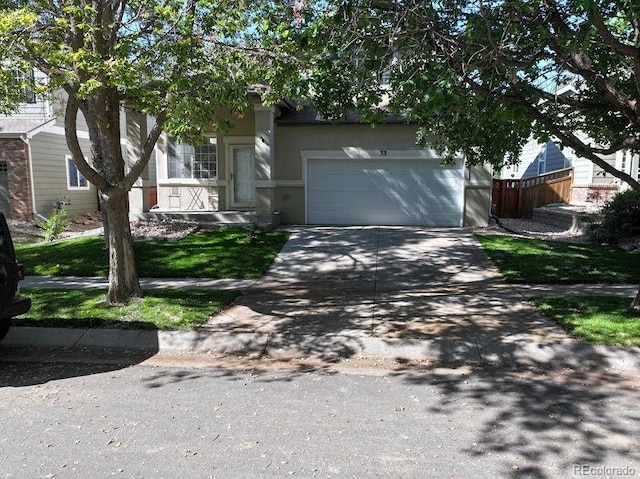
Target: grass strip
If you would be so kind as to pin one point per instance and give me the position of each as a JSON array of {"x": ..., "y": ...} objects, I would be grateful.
[
  {"x": 594, "y": 319},
  {"x": 158, "y": 309},
  {"x": 529, "y": 260},
  {"x": 223, "y": 253}
]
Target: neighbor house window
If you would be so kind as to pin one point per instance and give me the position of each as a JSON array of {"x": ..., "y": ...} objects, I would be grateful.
[
  {"x": 75, "y": 179},
  {"x": 188, "y": 161},
  {"x": 26, "y": 80},
  {"x": 542, "y": 160}
]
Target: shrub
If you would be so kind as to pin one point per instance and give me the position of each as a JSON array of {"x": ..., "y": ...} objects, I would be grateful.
[
  {"x": 252, "y": 229},
  {"x": 620, "y": 219},
  {"x": 55, "y": 225}
]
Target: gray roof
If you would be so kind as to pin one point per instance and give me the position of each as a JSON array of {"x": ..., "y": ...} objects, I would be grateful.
[
  {"x": 307, "y": 115},
  {"x": 19, "y": 126}
]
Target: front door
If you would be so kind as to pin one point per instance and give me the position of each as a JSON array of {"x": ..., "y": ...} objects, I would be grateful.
[{"x": 242, "y": 176}]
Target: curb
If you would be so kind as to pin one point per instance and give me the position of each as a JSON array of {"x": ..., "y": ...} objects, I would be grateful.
[{"x": 519, "y": 352}]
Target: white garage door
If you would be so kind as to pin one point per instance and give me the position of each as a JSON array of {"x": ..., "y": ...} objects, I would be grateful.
[{"x": 384, "y": 192}]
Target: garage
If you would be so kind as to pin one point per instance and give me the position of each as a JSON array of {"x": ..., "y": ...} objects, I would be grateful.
[{"x": 392, "y": 189}]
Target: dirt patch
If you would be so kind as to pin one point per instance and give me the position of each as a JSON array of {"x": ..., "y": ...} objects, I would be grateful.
[
  {"x": 87, "y": 224},
  {"x": 534, "y": 229}
]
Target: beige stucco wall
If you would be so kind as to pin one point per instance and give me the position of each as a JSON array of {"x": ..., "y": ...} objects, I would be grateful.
[
  {"x": 178, "y": 194},
  {"x": 477, "y": 195},
  {"x": 281, "y": 185},
  {"x": 289, "y": 193}
]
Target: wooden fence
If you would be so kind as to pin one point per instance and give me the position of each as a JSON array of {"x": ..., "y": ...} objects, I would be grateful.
[{"x": 518, "y": 198}]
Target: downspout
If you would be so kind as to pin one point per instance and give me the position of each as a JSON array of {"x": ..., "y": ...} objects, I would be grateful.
[{"x": 25, "y": 138}]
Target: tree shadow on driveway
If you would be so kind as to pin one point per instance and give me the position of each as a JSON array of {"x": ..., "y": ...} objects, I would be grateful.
[{"x": 548, "y": 406}]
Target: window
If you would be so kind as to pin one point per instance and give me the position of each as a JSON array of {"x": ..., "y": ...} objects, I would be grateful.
[
  {"x": 385, "y": 78},
  {"x": 75, "y": 180},
  {"x": 25, "y": 79},
  {"x": 187, "y": 161},
  {"x": 542, "y": 160}
]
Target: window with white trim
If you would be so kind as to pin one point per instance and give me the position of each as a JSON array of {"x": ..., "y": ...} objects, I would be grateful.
[
  {"x": 75, "y": 179},
  {"x": 26, "y": 79},
  {"x": 188, "y": 161}
]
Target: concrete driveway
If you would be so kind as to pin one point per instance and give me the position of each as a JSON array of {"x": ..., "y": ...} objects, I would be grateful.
[{"x": 338, "y": 292}]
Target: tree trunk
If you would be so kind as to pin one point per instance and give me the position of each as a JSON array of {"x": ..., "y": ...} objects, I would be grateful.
[
  {"x": 123, "y": 278},
  {"x": 105, "y": 219},
  {"x": 636, "y": 302}
]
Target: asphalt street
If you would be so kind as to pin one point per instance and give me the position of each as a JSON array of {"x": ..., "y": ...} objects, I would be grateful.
[{"x": 78, "y": 420}]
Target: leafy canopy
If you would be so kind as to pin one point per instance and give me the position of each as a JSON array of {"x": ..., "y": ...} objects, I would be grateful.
[
  {"x": 484, "y": 75},
  {"x": 178, "y": 60}
]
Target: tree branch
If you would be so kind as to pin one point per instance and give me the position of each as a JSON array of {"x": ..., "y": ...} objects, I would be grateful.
[
  {"x": 567, "y": 139},
  {"x": 71, "y": 135},
  {"x": 138, "y": 167}
]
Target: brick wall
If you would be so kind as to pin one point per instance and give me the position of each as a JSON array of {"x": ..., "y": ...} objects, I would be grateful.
[
  {"x": 593, "y": 193},
  {"x": 15, "y": 152}
]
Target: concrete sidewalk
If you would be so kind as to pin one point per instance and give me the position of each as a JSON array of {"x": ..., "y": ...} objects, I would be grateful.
[{"x": 336, "y": 293}]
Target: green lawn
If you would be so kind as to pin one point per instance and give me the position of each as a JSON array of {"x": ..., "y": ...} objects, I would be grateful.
[
  {"x": 525, "y": 260},
  {"x": 224, "y": 253},
  {"x": 159, "y": 309},
  {"x": 594, "y": 319}
]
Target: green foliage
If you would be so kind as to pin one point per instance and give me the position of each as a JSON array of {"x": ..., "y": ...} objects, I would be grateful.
[
  {"x": 55, "y": 225},
  {"x": 620, "y": 219},
  {"x": 481, "y": 77},
  {"x": 526, "y": 260},
  {"x": 252, "y": 229},
  {"x": 183, "y": 59}
]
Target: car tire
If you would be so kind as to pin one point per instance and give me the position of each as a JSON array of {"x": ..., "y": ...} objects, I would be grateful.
[
  {"x": 5, "y": 323},
  {"x": 8, "y": 280}
]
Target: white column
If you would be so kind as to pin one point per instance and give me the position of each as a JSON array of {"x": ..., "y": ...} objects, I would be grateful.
[
  {"x": 264, "y": 159},
  {"x": 135, "y": 136}
]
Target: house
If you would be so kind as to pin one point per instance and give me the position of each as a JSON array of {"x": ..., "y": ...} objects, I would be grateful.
[
  {"x": 291, "y": 166},
  {"x": 286, "y": 164},
  {"x": 591, "y": 184},
  {"x": 37, "y": 174}
]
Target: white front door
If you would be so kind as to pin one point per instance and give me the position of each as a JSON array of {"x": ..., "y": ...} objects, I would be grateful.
[{"x": 243, "y": 192}]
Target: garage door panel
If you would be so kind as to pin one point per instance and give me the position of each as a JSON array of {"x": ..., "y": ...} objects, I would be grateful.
[{"x": 383, "y": 192}]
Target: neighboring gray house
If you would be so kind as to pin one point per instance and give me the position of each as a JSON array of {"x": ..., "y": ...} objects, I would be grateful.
[
  {"x": 590, "y": 182},
  {"x": 37, "y": 173},
  {"x": 289, "y": 163}
]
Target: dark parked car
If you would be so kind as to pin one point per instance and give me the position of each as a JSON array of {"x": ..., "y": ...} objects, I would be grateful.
[{"x": 11, "y": 273}]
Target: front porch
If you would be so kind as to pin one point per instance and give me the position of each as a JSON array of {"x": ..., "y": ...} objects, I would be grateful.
[{"x": 210, "y": 219}]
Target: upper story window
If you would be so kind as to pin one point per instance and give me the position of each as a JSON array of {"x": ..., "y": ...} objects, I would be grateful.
[
  {"x": 26, "y": 79},
  {"x": 542, "y": 160},
  {"x": 188, "y": 161},
  {"x": 75, "y": 179},
  {"x": 385, "y": 77},
  {"x": 358, "y": 62}
]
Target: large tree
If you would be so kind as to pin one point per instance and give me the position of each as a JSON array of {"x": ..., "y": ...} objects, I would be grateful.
[
  {"x": 483, "y": 76},
  {"x": 179, "y": 61}
]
